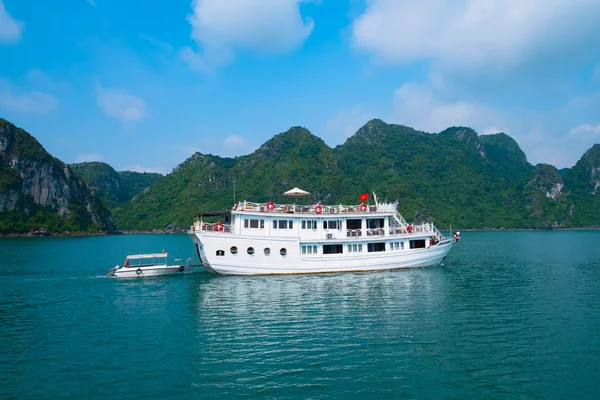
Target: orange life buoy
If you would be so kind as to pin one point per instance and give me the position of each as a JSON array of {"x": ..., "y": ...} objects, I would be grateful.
[
  {"x": 409, "y": 228},
  {"x": 319, "y": 209},
  {"x": 218, "y": 226},
  {"x": 362, "y": 207},
  {"x": 270, "y": 206}
]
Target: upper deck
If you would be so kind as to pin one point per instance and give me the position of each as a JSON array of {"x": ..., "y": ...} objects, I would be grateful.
[
  {"x": 287, "y": 208},
  {"x": 317, "y": 221}
]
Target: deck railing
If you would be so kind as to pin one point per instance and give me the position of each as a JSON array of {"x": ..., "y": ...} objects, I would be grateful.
[{"x": 313, "y": 208}]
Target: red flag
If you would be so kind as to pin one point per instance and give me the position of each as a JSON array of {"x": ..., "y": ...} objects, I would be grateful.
[{"x": 364, "y": 196}]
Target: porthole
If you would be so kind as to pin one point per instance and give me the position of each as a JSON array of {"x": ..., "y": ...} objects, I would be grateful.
[
  {"x": 220, "y": 253},
  {"x": 250, "y": 250},
  {"x": 283, "y": 251},
  {"x": 267, "y": 251},
  {"x": 233, "y": 250}
]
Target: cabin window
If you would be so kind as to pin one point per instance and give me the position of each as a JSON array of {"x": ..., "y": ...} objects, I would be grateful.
[
  {"x": 376, "y": 246},
  {"x": 250, "y": 250},
  {"x": 374, "y": 223},
  {"x": 220, "y": 253},
  {"x": 417, "y": 244},
  {"x": 355, "y": 248},
  {"x": 283, "y": 224},
  {"x": 283, "y": 251},
  {"x": 254, "y": 223},
  {"x": 333, "y": 224},
  {"x": 354, "y": 224},
  {"x": 396, "y": 245},
  {"x": 333, "y": 249},
  {"x": 309, "y": 224},
  {"x": 309, "y": 249},
  {"x": 233, "y": 250},
  {"x": 267, "y": 251}
]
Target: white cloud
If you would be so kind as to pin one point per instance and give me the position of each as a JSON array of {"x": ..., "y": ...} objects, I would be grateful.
[
  {"x": 195, "y": 61},
  {"x": 418, "y": 106},
  {"x": 345, "y": 124},
  {"x": 88, "y": 157},
  {"x": 233, "y": 141},
  {"x": 120, "y": 104},
  {"x": 470, "y": 34},
  {"x": 32, "y": 102},
  {"x": 139, "y": 168},
  {"x": 11, "y": 29},
  {"x": 585, "y": 130},
  {"x": 220, "y": 27}
]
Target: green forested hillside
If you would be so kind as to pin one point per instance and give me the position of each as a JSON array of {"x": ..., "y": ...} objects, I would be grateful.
[
  {"x": 112, "y": 187},
  {"x": 455, "y": 177}
]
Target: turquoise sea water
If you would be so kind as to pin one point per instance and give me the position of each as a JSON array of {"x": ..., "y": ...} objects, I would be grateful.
[{"x": 510, "y": 315}]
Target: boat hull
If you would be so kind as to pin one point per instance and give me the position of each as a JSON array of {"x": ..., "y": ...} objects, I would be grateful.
[
  {"x": 147, "y": 271},
  {"x": 293, "y": 262}
]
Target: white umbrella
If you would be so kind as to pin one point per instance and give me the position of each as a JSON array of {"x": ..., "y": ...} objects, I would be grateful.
[{"x": 296, "y": 192}]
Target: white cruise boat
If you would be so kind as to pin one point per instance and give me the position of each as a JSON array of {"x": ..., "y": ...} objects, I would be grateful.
[
  {"x": 141, "y": 265},
  {"x": 268, "y": 238}
]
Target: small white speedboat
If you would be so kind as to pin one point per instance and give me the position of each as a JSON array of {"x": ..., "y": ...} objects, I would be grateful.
[{"x": 141, "y": 265}]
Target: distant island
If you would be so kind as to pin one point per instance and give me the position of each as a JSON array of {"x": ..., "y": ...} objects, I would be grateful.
[{"x": 466, "y": 180}]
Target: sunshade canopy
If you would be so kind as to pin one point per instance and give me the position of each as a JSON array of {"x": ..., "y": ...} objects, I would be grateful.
[{"x": 296, "y": 192}]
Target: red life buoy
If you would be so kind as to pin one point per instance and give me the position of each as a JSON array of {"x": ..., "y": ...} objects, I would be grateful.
[
  {"x": 218, "y": 226},
  {"x": 362, "y": 207},
  {"x": 319, "y": 209},
  {"x": 270, "y": 206},
  {"x": 235, "y": 207},
  {"x": 409, "y": 228}
]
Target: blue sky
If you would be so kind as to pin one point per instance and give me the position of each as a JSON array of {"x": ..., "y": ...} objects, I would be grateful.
[{"x": 143, "y": 84}]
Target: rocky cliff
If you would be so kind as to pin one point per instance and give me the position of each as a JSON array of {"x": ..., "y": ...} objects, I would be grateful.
[
  {"x": 112, "y": 187},
  {"x": 40, "y": 192}
]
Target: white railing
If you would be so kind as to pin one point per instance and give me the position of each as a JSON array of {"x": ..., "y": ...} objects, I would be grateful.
[
  {"x": 313, "y": 208},
  {"x": 206, "y": 227}
]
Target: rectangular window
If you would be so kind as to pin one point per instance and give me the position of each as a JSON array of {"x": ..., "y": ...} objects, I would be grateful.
[
  {"x": 333, "y": 249},
  {"x": 401, "y": 245},
  {"x": 354, "y": 224},
  {"x": 354, "y": 248},
  {"x": 377, "y": 246},
  {"x": 291, "y": 224},
  {"x": 274, "y": 224},
  {"x": 283, "y": 224},
  {"x": 309, "y": 249},
  {"x": 254, "y": 223},
  {"x": 332, "y": 224},
  {"x": 417, "y": 244},
  {"x": 303, "y": 224}
]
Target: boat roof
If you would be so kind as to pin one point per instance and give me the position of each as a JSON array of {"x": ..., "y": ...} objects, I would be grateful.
[{"x": 151, "y": 255}]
